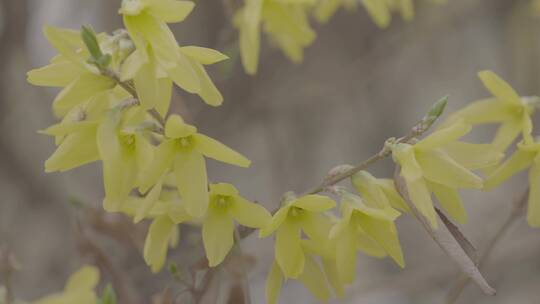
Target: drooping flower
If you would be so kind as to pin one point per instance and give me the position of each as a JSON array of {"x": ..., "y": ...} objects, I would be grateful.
[
  {"x": 506, "y": 108},
  {"x": 378, "y": 192},
  {"x": 427, "y": 167},
  {"x": 125, "y": 152},
  {"x": 183, "y": 150},
  {"x": 366, "y": 225},
  {"x": 227, "y": 206},
  {"x": 166, "y": 210},
  {"x": 285, "y": 22},
  {"x": 526, "y": 156},
  {"x": 79, "y": 289},
  {"x": 297, "y": 215},
  {"x": 69, "y": 70}
]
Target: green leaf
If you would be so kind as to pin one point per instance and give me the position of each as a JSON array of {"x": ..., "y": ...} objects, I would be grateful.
[
  {"x": 90, "y": 40},
  {"x": 109, "y": 296}
]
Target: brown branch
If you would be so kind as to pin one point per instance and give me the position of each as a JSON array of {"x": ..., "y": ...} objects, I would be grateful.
[
  {"x": 8, "y": 265},
  {"x": 515, "y": 214}
]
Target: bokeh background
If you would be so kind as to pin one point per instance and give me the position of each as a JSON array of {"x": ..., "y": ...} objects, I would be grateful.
[{"x": 357, "y": 86}]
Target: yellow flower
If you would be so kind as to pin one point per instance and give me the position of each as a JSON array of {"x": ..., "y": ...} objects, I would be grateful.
[
  {"x": 297, "y": 215},
  {"x": 506, "y": 108},
  {"x": 367, "y": 225},
  {"x": 325, "y": 9},
  {"x": 379, "y": 192},
  {"x": 126, "y": 154},
  {"x": 227, "y": 206},
  {"x": 527, "y": 155},
  {"x": 79, "y": 289},
  {"x": 80, "y": 81},
  {"x": 286, "y": 23},
  {"x": 183, "y": 151},
  {"x": 427, "y": 167}
]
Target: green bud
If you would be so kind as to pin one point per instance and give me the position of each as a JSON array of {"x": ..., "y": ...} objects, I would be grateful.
[
  {"x": 90, "y": 40},
  {"x": 109, "y": 296},
  {"x": 436, "y": 111}
]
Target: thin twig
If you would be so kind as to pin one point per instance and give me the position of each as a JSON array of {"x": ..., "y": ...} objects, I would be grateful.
[
  {"x": 8, "y": 266},
  {"x": 514, "y": 215}
]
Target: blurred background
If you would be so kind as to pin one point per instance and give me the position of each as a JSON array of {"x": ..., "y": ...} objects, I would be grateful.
[{"x": 357, "y": 86}]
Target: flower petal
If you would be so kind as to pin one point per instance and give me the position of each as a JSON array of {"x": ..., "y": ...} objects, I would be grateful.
[
  {"x": 208, "y": 91},
  {"x": 506, "y": 134},
  {"x": 499, "y": 88},
  {"x": 520, "y": 160},
  {"x": 279, "y": 217},
  {"x": 192, "y": 182},
  {"x": 389, "y": 189},
  {"x": 185, "y": 75},
  {"x": 421, "y": 198},
  {"x": 317, "y": 227},
  {"x": 203, "y": 55},
  {"x": 76, "y": 149},
  {"x": 163, "y": 159},
  {"x": 450, "y": 201},
  {"x": 533, "y": 212},
  {"x": 273, "y": 284},
  {"x": 85, "y": 278},
  {"x": 249, "y": 214},
  {"x": 442, "y": 169},
  {"x": 58, "y": 74},
  {"x": 149, "y": 201},
  {"x": 315, "y": 280},
  {"x": 444, "y": 136},
  {"x": 214, "y": 149},
  {"x": 378, "y": 11},
  {"x": 66, "y": 42},
  {"x": 157, "y": 241},
  {"x": 474, "y": 156},
  {"x": 288, "y": 249},
  {"x": 217, "y": 233},
  {"x": 314, "y": 203},
  {"x": 171, "y": 11},
  {"x": 346, "y": 255},
  {"x": 404, "y": 155},
  {"x": 248, "y": 21}
]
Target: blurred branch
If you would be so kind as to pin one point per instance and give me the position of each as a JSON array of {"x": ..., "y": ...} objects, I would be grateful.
[
  {"x": 8, "y": 265},
  {"x": 516, "y": 212}
]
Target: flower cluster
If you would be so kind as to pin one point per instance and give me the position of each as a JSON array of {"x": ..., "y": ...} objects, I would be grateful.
[
  {"x": 114, "y": 108},
  {"x": 286, "y": 22}
]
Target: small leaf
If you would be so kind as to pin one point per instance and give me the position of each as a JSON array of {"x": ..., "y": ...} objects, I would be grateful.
[
  {"x": 436, "y": 111},
  {"x": 109, "y": 296},
  {"x": 90, "y": 40}
]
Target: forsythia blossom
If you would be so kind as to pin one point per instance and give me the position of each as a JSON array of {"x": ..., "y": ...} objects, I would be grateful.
[
  {"x": 297, "y": 215},
  {"x": 526, "y": 156},
  {"x": 183, "y": 150},
  {"x": 506, "y": 107},
  {"x": 227, "y": 206},
  {"x": 79, "y": 289},
  {"x": 286, "y": 23},
  {"x": 427, "y": 167}
]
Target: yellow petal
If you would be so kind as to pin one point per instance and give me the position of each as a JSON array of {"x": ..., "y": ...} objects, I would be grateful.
[
  {"x": 144, "y": 153},
  {"x": 315, "y": 280},
  {"x": 184, "y": 74},
  {"x": 444, "y": 136},
  {"x": 249, "y": 214},
  {"x": 389, "y": 189},
  {"x": 440, "y": 168},
  {"x": 378, "y": 11},
  {"x": 208, "y": 90},
  {"x": 85, "y": 278},
  {"x": 203, "y": 55},
  {"x": 77, "y": 149},
  {"x": 214, "y": 149},
  {"x": 326, "y": 9},
  {"x": 248, "y": 20},
  {"x": 86, "y": 86},
  {"x": 133, "y": 63},
  {"x": 520, "y": 160},
  {"x": 58, "y": 74},
  {"x": 288, "y": 250},
  {"x": 163, "y": 159},
  {"x": 156, "y": 244},
  {"x": 330, "y": 269},
  {"x": 317, "y": 227},
  {"x": 218, "y": 232},
  {"x": 368, "y": 245},
  {"x": 474, "y": 156},
  {"x": 192, "y": 182},
  {"x": 163, "y": 101},
  {"x": 506, "y": 134},
  {"x": 484, "y": 111},
  {"x": 171, "y": 11},
  {"x": 384, "y": 233},
  {"x": 314, "y": 203},
  {"x": 533, "y": 212},
  {"x": 273, "y": 284},
  {"x": 223, "y": 189},
  {"x": 277, "y": 220},
  {"x": 148, "y": 202},
  {"x": 177, "y": 128},
  {"x": 403, "y": 154},
  {"x": 63, "y": 41},
  {"x": 450, "y": 201},
  {"x": 346, "y": 255},
  {"x": 366, "y": 185},
  {"x": 407, "y": 9},
  {"x": 146, "y": 83},
  {"x": 499, "y": 88},
  {"x": 421, "y": 198}
]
